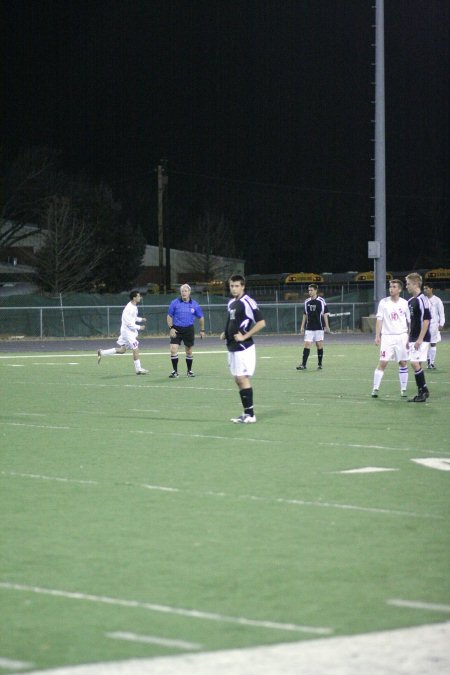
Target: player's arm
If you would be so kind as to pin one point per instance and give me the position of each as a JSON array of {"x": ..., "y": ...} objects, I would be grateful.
[
  {"x": 326, "y": 318},
  {"x": 425, "y": 324},
  {"x": 378, "y": 325},
  {"x": 302, "y": 327},
  {"x": 259, "y": 325},
  {"x": 201, "y": 320},
  {"x": 441, "y": 313}
]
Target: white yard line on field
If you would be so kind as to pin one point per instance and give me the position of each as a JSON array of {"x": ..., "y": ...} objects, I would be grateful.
[
  {"x": 417, "y": 604},
  {"x": 167, "y": 609},
  {"x": 154, "y": 640},
  {"x": 252, "y": 498},
  {"x": 12, "y": 664}
]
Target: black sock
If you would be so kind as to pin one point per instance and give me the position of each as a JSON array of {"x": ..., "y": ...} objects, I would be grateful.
[
  {"x": 305, "y": 355},
  {"x": 247, "y": 400},
  {"x": 320, "y": 356},
  {"x": 174, "y": 360},
  {"x": 420, "y": 380},
  {"x": 189, "y": 362}
]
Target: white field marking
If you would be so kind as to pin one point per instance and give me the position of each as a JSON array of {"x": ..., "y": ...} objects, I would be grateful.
[
  {"x": 16, "y": 365},
  {"x": 93, "y": 355},
  {"x": 29, "y": 414},
  {"x": 149, "y": 410},
  {"x": 269, "y": 500},
  {"x": 11, "y": 664},
  {"x": 55, "y": 478},
  {"x": 366, "y": 469},
  {"x": 160, "y": 488},
  {"x": 56, "y": 364},
  {"x": 377, "y": 447},
  {"x": 265, "y": 357},
  {"x": 420, "y": 649},
  {"x": 153, "y": 640},
  {"x": 440, "y": 463},
  {"x": 34, "y": 426},
  {"x": 166, "y": 609},
  {"x": 141, "y": 431},
  {"x": 416, "y": 604}
]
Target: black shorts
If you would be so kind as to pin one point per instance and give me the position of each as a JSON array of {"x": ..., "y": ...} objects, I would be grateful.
[{"x": 184, "y": 334}]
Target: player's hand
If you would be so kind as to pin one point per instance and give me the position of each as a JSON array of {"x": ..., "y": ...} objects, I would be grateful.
[
  {"x": 239, "y": 337},
  {"x": 202, "y": 333},
  {"x": 143, "y": 319}
]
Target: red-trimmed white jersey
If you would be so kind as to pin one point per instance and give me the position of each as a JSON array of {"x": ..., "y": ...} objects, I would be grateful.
[{"x": 394, "y": 315}]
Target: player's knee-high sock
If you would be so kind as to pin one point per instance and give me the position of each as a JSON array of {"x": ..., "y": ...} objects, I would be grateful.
[
  {"x": 137, "y": 364},
  {"x": 247, "y": 400},
  {"x": 431, "y": 355},
  {"x": 189, "y": 360},
  {"x": 320, "y": 356},
  {"x": 108, "y": 352},
  {"x": 174, "y": 361},
  {"x": 377, "y": 377},
  {"x": 305, "y": 355},
  {"x": 403, "y": 377},
  {"x": 420, "y": 380}
]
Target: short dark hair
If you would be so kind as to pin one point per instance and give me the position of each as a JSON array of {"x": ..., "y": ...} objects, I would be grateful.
[
  {"x": 430, "y": 284},
  {"x": 134, "y": 293},
  {"x": 398, "y": 282},
  {"x": 315, "y": 286},
  {"x": 238, "y": 277}
]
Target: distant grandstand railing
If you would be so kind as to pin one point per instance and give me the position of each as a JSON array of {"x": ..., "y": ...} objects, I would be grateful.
[{"x": 104, "y": 320}]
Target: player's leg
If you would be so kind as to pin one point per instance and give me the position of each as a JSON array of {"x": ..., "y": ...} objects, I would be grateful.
[
  {"x": 431, "y": 356},
  {"x": 188, "y": 338},
  {"x": 319, "y": 346},
  {"x": 174, "y": 345},
  {"x": 378, "y": 375},
  {"x": 242, "y": 367},
  {"x": 121, "y": 349},
  {"x": 419, "y": 356},
  {"x": 306, "y": 350}
]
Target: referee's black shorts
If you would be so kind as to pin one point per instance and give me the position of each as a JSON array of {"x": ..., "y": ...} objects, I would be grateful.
[{"x": 184, "y": 334}]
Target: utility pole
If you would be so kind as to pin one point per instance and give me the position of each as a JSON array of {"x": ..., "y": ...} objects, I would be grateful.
[
  {"x": 377, "y": 248},
  {"x": 162, "y": 189}
]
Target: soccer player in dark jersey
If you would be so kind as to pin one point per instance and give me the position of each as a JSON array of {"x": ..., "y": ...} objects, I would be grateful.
[
  {"x": 314, "y": 324},
  {"x": 419, "y": 334},
  {"x": 244, "y": 321}
]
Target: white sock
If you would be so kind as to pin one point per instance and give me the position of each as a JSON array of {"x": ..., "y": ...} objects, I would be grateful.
[
  {"x": 431, "y": 355},
  {"x": 108, "y": 352},
  {"x": 377, "y": 377},
  {"x": 137, "y": 365},
  {"x": 403, "y": 377}
]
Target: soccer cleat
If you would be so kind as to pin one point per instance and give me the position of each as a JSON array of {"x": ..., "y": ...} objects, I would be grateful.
[
  {"x": 431, "y": 366},
  {"x": 319, "y": 367},
  {"x": 244, "y": 419},
  {"x": 190, "y": 373},
  {"x": 301, "y": 367},
  {"x": 141, "y": 371},
  {"x": 99, "y": 356},
  {"x": 421, "y": 397},
  {"x": 425, "y": 392},
  {"x": 403, "y": 393},
  {"x": 374, "y": 393},
  {"x": 173, "y": 374}
]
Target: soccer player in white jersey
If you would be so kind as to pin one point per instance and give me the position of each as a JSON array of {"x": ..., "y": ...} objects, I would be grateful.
[
  {"x": 436, "y": 324},
  {"x": 391, "y": 334},
  {"x": 131, "y": 325}
]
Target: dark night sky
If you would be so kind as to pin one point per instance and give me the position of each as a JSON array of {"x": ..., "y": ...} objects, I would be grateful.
[{"x": 263, "y": 109}]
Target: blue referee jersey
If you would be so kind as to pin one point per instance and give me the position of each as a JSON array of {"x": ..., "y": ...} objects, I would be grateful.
[{"x": 183, "y": 313}]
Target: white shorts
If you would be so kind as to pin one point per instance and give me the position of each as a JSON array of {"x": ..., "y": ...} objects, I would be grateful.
[
  {"x": 128, "y": 339},
  {"x": 420, "y": 354},
  {"x": 314, "y": 335},
  {"x": 242, "y": 363},
  {"x": 394, "y": 348},
  {"x": 435, "y": 335}
]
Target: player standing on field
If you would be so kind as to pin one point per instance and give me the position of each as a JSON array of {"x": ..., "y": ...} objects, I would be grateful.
[
  {"x": 244, "y": 321},
  {"x": 419, "y": 334},
  {"x": 314, "y": 324},
  {"x": 131, "y": 325},
  {"x": 391, "y": 334},
  {"x": 436, "y": 324}
]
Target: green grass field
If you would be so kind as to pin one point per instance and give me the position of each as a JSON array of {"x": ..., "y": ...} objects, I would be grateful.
[{"x": 132, "y": 506}]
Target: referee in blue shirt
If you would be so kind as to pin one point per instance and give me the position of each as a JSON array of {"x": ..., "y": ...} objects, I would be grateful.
[{"x": 180, "y": 319}]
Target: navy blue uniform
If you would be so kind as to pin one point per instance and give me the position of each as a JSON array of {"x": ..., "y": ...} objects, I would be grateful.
[
  {"x": 419, "y": 309},
  {"x": 242, "y": 315}
]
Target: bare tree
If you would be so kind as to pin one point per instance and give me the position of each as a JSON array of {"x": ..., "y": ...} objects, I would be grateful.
[
  {"x": 27, "y": 183},
  {"x": 68, "y": 258},
  {"x": 209, "y": 241}
]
